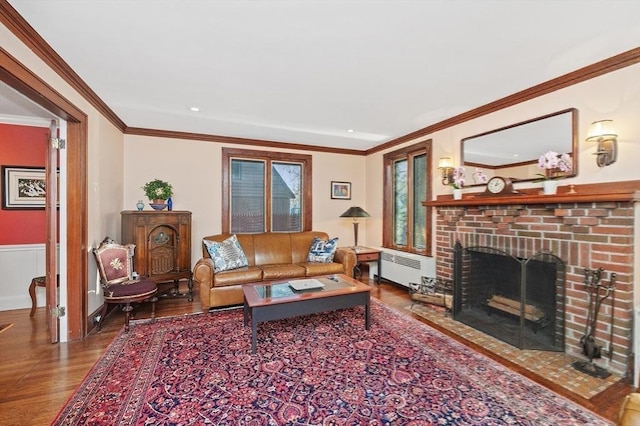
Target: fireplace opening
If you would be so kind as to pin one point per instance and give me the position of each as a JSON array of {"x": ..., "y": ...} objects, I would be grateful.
[{"x": 519, "y": 301}]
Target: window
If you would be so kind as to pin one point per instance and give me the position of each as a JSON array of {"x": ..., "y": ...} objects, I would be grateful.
[
  {"x": 265, "y": 191},
  {"x": 406, "y": 222}
]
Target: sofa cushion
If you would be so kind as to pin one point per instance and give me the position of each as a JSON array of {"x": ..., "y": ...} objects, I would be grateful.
[
  {"x": 322, "y": 251},
  {"x": 142, "y": 288},
  {"x": 226, "y": 255},
  {"x": 272, "y": 248},
  {"x": 277, "y": 272},
  {"x": 314, "y": 269},
  {"x": 249, "y": 274}
]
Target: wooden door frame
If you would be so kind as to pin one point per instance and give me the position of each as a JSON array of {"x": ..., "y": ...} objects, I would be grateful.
[{"x": 20, "y": 78}]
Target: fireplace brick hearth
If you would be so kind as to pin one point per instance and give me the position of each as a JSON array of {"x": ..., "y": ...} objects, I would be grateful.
[{"x": 584, "y": 234}]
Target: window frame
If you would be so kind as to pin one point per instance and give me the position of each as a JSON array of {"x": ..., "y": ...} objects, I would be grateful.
[
  {"x": 407, "y": 153},
  {"x": 268, "y": 157}
]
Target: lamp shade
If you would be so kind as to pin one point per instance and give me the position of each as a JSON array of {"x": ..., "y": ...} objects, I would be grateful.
[
  {"x": 445, "y": 163},
  {"x": 601, "y": 129},
  {"x": 355, "y": 212}
]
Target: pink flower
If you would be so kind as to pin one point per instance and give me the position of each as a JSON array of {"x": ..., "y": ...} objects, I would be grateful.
[
  {"x": 458, "y": 177},
  {"x": 552, "y": 160}
]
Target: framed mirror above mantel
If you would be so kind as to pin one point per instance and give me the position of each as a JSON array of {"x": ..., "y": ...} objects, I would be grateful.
[{"x": 513, "y": 151}]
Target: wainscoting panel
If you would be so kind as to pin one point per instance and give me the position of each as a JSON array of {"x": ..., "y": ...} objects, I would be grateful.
[{"x": 19, "y": 264}]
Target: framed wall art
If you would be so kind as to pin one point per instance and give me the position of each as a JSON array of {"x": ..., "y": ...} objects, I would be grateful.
[
  {"x": 23, "y": 187},
  {"x": 340, "y": 190}
]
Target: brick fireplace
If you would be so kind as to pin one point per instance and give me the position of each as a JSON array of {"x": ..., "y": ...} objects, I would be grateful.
[{"x": 589, "y": 227}]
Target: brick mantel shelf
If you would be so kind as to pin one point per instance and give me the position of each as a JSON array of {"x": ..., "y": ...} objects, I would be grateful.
[{"x": 626, "y": 191}]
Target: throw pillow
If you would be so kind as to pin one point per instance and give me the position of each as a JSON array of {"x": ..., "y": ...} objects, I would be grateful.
[
  {"x": 322, "y": 251},
  {"x": 226, "y": 255}
]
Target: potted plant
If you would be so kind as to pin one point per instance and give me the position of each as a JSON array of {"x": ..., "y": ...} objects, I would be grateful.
[{"x": 158, "y": 191}]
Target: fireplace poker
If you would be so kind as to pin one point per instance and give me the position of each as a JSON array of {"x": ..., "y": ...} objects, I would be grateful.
[
  {"x": 590, "y": 348},
  {"x": 612, "y": 285}
]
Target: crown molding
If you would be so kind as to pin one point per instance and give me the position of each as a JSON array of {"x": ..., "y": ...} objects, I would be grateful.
[
  {"x": 605, "y": 66},
  {"x": 234, "y": 140},
  {"x": 25, "y": 32},
  {"x": 21, "y": 29}
]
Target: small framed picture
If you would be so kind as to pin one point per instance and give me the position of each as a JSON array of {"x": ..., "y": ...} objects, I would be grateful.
[
  {"x": 340, "y": 190},
  {"x": 23, "y": 188}
]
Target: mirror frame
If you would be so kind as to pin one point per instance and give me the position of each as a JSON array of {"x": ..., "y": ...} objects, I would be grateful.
[{"x": 573, "y": 152}]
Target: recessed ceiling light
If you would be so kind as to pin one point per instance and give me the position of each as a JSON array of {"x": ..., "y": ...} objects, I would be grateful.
[
  {"x": 350, "y": 130},
  {"x": 194, "y": 109}
]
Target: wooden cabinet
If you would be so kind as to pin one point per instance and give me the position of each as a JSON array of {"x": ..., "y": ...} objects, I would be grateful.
[{"x": 163, "y": 245}]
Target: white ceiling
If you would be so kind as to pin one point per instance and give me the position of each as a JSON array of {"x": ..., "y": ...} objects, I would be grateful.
[{"x": 306, "y": 71}]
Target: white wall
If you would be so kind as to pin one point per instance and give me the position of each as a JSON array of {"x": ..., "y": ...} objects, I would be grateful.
[
  {"x": 105, "y": 154},
  {"x": 194, "y": 170},
  {"x": 193, "y": 167},
  {"x": 615, "y": 95}
]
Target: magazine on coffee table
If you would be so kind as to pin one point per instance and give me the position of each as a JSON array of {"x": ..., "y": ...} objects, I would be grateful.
[{"x": 306, "y": 284}]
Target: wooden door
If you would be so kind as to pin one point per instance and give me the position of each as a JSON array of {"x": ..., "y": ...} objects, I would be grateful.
[{"x": 51, "y": 185}]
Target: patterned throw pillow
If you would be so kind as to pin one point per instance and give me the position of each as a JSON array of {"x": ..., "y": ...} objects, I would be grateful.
[
  {"x": 322, "y": 251},
  {"x": 226, "y": 255}
]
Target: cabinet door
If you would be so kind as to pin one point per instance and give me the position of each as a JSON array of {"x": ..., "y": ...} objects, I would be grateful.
[{"x": 162, "y": 250}]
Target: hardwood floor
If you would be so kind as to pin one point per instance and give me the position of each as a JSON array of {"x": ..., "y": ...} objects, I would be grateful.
[{"x": 37, "y": 378}]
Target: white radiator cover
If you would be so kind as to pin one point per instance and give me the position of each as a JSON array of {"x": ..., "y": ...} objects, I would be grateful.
[{"x": 404, "y": 268}]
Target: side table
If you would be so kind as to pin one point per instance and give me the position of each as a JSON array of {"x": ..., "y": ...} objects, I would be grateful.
[{"x": 366, "y": 255}]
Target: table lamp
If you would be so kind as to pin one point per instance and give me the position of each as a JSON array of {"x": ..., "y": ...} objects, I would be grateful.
[{"x": 355, "y": 213}]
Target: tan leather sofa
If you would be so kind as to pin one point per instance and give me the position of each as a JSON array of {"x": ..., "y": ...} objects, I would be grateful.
[
  {"x": 271, "y": 256},
  {"x": 629, "y": 414}
]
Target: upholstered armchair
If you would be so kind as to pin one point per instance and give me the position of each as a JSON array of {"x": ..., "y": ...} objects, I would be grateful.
[{"x": 115, "y": 266}]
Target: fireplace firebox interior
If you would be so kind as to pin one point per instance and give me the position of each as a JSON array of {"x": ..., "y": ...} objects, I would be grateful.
[{"x": 519, "y": 301}]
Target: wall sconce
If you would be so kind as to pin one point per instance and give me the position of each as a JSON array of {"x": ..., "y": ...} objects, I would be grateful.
[
  {"x": 446, "y": 165},
  {"x": 355, "y": 213},
  {"x": 602, "y": 132}
]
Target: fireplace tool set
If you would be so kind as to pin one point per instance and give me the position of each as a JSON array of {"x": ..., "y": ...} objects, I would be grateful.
[{"x": 598, "y": 293}]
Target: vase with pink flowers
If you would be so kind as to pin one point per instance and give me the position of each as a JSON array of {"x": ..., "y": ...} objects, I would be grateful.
[
  {"x": 457, "y": 182},
  {"x": 553, "y": 164}
]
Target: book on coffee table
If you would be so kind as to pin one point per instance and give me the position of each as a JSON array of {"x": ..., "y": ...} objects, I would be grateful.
[{"x": 305, "y": 284}]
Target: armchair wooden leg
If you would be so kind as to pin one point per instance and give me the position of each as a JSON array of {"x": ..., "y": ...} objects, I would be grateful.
[
  {"x": 102, "y": 315},
  {"x": 127, "y": 314},
  {"x": 32, "y": 293},
  {"x": 153, "y": 309}
]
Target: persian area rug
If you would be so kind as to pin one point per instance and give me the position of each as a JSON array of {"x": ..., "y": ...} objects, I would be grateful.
[{"x": 323, "y": 369}]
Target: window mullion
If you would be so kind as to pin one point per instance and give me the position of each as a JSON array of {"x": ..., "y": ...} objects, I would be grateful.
[
  {"x": 267, "y": 198},
  {"x": 410, "y": 202}
]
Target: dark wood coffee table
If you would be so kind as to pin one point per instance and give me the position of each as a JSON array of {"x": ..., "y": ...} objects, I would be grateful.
[{"x": 277, "y": 300}]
